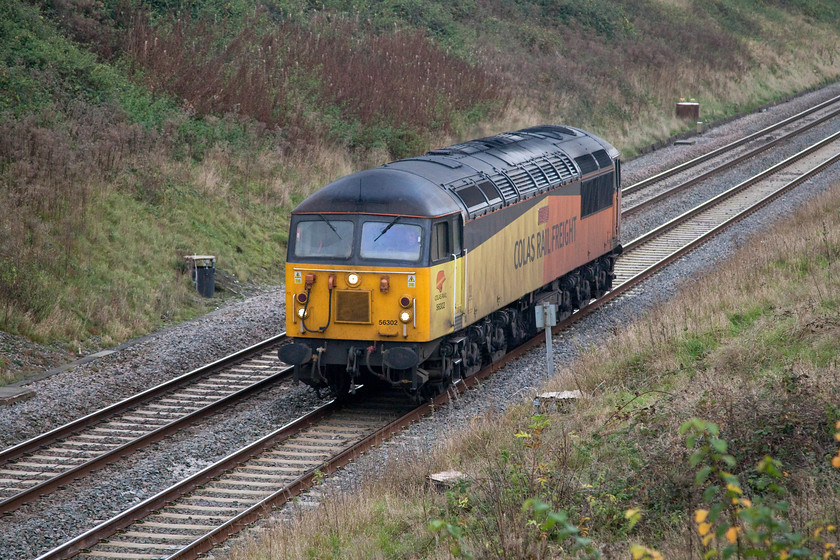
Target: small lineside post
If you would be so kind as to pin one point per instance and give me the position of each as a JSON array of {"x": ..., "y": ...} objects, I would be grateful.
[{"x": 546, "y": 317}]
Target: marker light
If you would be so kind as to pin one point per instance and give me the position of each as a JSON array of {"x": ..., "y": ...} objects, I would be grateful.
[
  {"x": 405, "y": 316},
  {"x": 405, "y": 302},
  {"x": 302, "y": 313},
  {"x": 301, "y": 298},
  {"x": 353, "y": 279}
]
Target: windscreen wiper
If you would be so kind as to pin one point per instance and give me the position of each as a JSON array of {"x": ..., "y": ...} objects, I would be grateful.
[
  {"x": 394, "y": 221},
  {"x": 331, "y": 226}
]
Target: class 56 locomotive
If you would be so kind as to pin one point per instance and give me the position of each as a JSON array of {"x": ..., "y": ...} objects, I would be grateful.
[{"x": 416, "y": 273}]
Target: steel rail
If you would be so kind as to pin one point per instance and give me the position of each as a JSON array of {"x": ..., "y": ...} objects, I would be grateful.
[
  {"x": 182, "y": 488},
  {"x": 726, "y": 165},
  {"x": 49, "y": 485},
  {"x": 306, "y": 481},
  {"x": 730, "y": 192},
  {"x": 130, "y": 402},
  {"x": 723, "y": 149},
  {"x": 233, "y": 525}
]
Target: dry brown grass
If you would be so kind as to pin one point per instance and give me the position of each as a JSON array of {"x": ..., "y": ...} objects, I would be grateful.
[
  {"x": 356, "y": 525},
  {"x": 626, "y": 91}
]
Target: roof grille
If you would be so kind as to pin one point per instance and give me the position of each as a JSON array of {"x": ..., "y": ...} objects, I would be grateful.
[
  {"x": 586, "y": 163},
  {"x": 541, "y": 179},
  {"x": 563, "y": 165},
  {"x": 603, "y": 159},
  {"x": 505, "y": 186},
  {"x": 522, "y": 181}
]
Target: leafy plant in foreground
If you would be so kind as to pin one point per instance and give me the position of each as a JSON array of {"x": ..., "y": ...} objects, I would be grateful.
[{"x": 734, "y": 526}]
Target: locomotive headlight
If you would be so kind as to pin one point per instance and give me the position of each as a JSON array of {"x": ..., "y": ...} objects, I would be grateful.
[
  {"x": 353, "y": 279},
  {"x": 302, "y": 313},
  {"x": 405, "y": 316}
]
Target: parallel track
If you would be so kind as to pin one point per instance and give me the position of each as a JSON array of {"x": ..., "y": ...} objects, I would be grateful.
[
  {"x": 727, "y": 158},
  {"x": 44, "y": 463},
  {"x": 662, "y": 245},
  {"x": 724, "y": 150},
  {"x": 244, "y": 486}
]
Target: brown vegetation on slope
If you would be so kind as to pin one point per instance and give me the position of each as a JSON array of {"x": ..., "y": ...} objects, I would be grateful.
[{"x": 281, "y": 75}]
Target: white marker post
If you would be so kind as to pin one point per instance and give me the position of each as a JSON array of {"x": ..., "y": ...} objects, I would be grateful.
[{"x": 546, "y": 316}]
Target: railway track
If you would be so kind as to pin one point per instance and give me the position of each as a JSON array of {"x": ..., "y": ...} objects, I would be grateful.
[
  {"x": 194, "y": 516},
  {"x": 49, "y": 461},
  {"x": 654, "y": 250},
  {"x": 704, "y": 167}
]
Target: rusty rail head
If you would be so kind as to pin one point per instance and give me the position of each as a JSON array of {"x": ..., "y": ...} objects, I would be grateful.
[
  {"x": 39, "y": 441},
  {"x": 703, "y": 176},
  {"x": 687, "y": 165}
]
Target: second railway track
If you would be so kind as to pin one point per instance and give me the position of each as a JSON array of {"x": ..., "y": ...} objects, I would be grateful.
[
  {"x": 42, "y": 464},
  {"x": 705, "y": 167}
]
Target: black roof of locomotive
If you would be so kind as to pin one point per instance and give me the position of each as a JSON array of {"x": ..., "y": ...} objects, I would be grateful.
[{"x": 506, "y": 168}]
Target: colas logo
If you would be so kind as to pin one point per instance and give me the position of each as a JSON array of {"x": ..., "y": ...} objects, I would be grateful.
[{"x": 441, "y": 279}]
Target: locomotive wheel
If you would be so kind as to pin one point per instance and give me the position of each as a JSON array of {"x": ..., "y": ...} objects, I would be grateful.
[
  {"x": 430, "y": 390},
  {"x": 472, "y": 358},
  {"x": 499, "y": 343},
  {"x": 585, "y": 293}
]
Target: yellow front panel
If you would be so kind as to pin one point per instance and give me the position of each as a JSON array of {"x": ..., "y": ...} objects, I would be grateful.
[{"x": 364, "y": 311}]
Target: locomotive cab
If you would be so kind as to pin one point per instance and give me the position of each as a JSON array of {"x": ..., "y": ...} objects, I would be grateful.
[{"x": 361, "y": 301}]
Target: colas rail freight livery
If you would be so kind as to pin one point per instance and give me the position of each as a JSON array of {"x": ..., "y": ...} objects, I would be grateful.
[{"x": 418, "y": 272}]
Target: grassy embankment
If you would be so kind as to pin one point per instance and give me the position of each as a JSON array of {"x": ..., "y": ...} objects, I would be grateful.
[
  {"x": 134, "y": 133},
  {"x": 753, "y": 347}
]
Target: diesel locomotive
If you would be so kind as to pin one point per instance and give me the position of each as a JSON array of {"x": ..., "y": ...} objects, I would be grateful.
[{"x": 418, "y": 272}]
